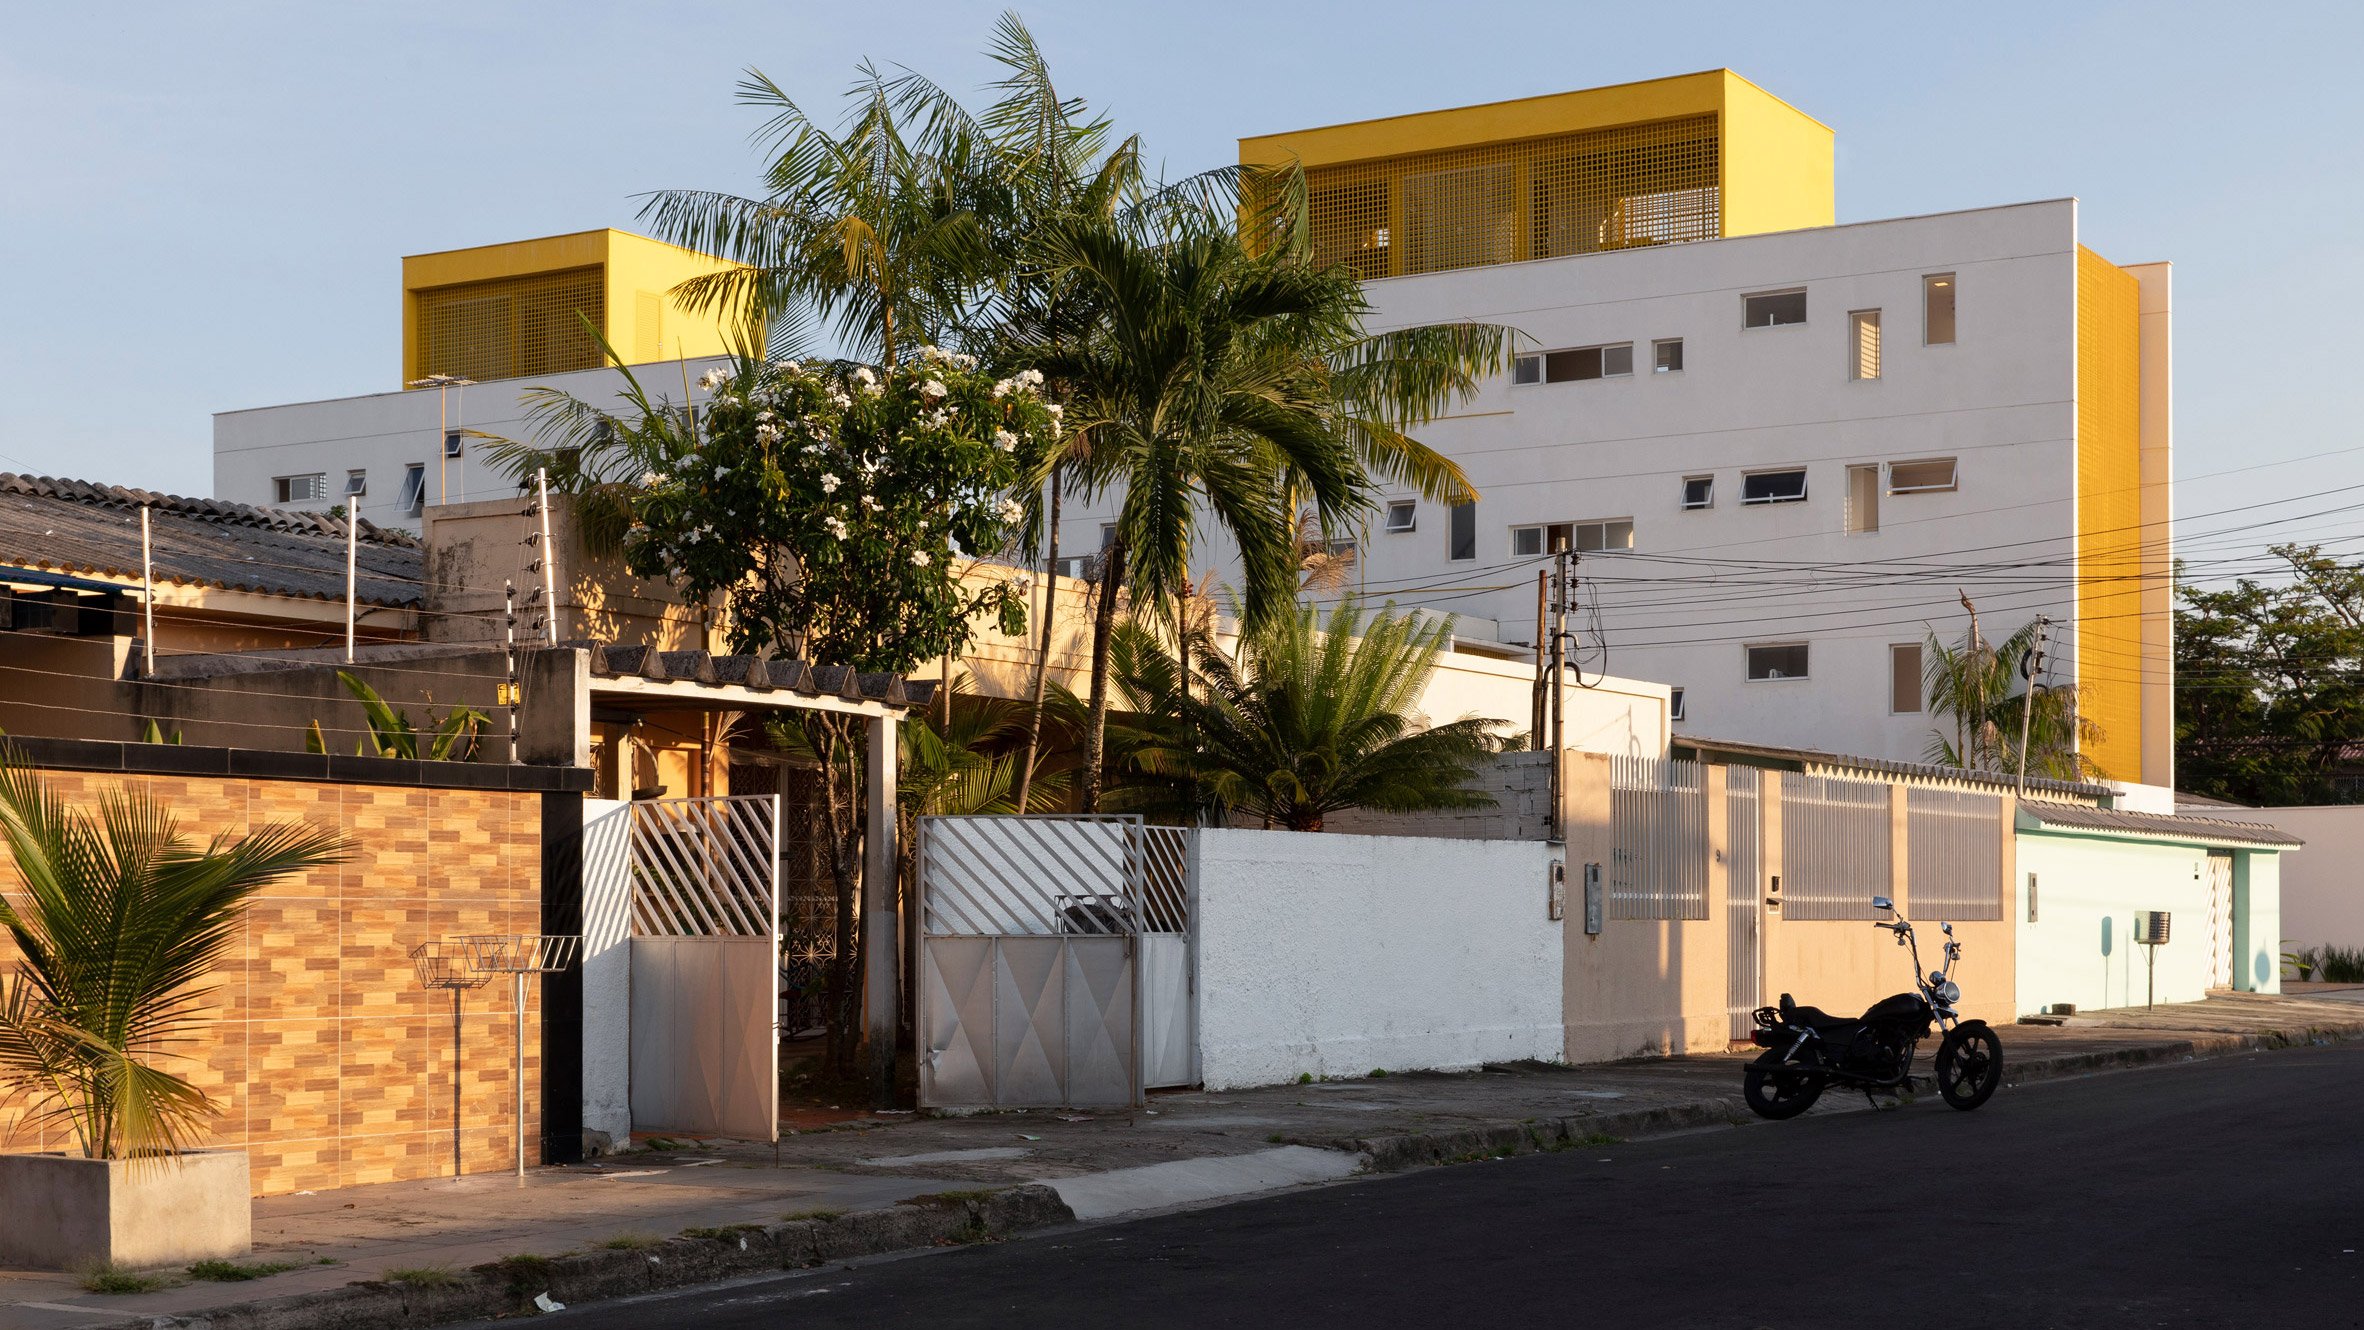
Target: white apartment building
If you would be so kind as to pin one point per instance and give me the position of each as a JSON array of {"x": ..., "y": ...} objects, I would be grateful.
[{"x": 1782, "y": 449}]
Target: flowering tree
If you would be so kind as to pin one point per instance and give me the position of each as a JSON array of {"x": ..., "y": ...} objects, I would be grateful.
[{"x": 831, "y": 507}]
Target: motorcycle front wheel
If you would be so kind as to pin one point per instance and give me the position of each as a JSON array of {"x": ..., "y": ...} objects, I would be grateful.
[
  {"x": 1969, "y": 1066},
  {"x": 1774, "y": 1090}
]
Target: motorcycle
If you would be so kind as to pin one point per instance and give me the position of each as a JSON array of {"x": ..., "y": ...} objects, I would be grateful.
[{"x": 1807, "y": 1050}]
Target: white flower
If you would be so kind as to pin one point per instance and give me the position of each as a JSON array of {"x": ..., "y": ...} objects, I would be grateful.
[
  {"x": 829, "y": 483},
  {"x": 1010, "y": 511},
  {"x": 652, "y": 479},
  {"x": 767, "y": 433},
  {"x": 923, "y": 524},
  {"x": 1023, "y": 583},
  {"x": 872, "y": 504},
  {"x": 863, "y": 375},
  {"x": 1005, "y": 441},
  {"x": 836, "y": 526},
  {"x": 919, "y": 558},
  {"x": 714, "y": 378},
  {"x": 1031, "y": 378},
  {"x": 721, "y": 471},
  {"x": 933, "y": 389}
]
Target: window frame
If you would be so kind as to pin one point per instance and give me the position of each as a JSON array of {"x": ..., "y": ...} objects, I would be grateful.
[
  {"x": 414, "y": 488},
  {"x": 454, "y": 445},
  {"x": 1542, "y": 532},
  {"x": 1705, "y": 505},
  {"x": 1953, "y": 300},
  {"x": 1526, "y": 370},
  {"x": 1953, "y": 479},
  {"x": 1658, "y": 349},
  {"x": 1600, "y": 359},
  {"x": 1805, "y": 310},
  {"x": 283, "y": 488},
  {"x": 1805, "y": 487},
  {"x": 1920, "y": 701},
  {"x": 1862, "y": 515},
  {"x": 1857, "y": 321},
  {"x": 1410, "y": 508},
  {"x": 1677, "y": 704},
  {"x": 1749, "y": 662},
  {"x": 357, "y": 482},
  {"x": 1461, "y": 533}
]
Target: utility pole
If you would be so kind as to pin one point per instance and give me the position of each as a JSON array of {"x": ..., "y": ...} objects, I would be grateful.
[
  {"x": 1542, "y": 596},
  {"x": 1555, "y": 695},
  {"x": 511, "y": 696},
  {"x": 2031, "y": 663},
  {"x": 352, "y": 549},
  {"x": 147, "y": 595}
]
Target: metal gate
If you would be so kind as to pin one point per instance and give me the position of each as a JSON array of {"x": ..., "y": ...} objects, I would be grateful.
[
  {"x": 1744, "y": 901},
  {"x": 1056, "y": 968},
  {"x": 705, "y": 966},
  {"x": 2220, "y": 919}
]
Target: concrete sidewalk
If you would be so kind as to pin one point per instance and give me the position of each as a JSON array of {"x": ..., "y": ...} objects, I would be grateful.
[{"x": 1184, "y": 1148}]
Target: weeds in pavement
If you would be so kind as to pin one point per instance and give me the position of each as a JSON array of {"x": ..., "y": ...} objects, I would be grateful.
[
  {"x": 115, "y": 1279},
  {"x": 422, "y": 1276},
  {"x": 628, "y": 1242},
  {"x": 945, "y": 1200},
  {"x": 722, "y": 1232},
  {"x": 822, "y": 1215},
  {"x": 235, "y": 1272}
]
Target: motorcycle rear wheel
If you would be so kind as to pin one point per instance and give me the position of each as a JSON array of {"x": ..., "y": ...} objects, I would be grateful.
[
  {"x": 1777, "y": 1091},
  {"x": 1969, "y": 1066}
]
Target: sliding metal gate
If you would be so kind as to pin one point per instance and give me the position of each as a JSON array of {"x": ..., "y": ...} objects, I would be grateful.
[
  {"x": 705, "y": 966},
  {"x": 1056, "y": 967}
]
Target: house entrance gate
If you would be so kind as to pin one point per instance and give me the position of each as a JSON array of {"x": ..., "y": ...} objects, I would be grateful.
[
  {"x": 705, "y": 966},
  {"x": 1056, "y": 966}
]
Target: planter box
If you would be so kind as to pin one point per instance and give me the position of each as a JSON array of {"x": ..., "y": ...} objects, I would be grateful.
[{"x": 69, "y": 1212}]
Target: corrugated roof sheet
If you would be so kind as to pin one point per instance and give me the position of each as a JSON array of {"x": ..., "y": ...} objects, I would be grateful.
[
  {"x": 76, "y": 527},
  {"x": 1889, "y": 766},
  {"x": 2206, "y": 830}
]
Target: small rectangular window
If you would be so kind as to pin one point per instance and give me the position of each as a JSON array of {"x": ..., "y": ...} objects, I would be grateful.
[
  {"x": 414, "y": 488},
  {"x": 300, "y": 489},
  {"x": 1667, "y": 355},
  {"x": 356, "y": 483},
  {"x": 1402, "y": 515},
  {"x": 1588, "y": 362},
  {"x": 1527, "y": 369},
  {"x": 1107, "y": 535},
  {"x": 1774, "y": 486},
  {"x": 1863, "y": 342},
  {"x": 1526, "y": 541},
  {"x": 1785, "y": 660},
  {"x": 1937, "y": 298},
  {"x": 1904, "y": 679},
  {"x": 1461, "y": 542},
  {"x": 451, "y": 444},
  {"x": 1934, "y": 475},
  {"x": 1863, "y": 499},
  {"x": 1606, "y": 537},
  {"x": 1773, "y": 309},
  {"x": 1698, "y": 492},
  {"x": 1674, "y": 707}
]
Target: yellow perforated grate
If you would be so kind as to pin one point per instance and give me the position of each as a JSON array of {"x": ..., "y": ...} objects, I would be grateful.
[
  {"x": 511, "y": 327},
  {"x": 1619, "y": 188}
]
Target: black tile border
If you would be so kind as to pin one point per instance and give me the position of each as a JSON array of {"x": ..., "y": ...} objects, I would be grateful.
[{"x": 138, "y": 759}]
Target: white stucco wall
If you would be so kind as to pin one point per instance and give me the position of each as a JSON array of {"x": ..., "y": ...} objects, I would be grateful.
[
  {"x": 607, "y": 970},
  {"x": 2081, "y": 947},
  {"x": 2322, "y": 885},
  {"x": 1334, "y": 955}
]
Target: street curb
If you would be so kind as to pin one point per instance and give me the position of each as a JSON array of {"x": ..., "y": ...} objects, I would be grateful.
[
  {"x": 508, "y": 1287},
  {"x": 1391, "y": 1154}
]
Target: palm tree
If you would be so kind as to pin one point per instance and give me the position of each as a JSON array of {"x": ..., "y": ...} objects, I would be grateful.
[
  {"x": 1975, "y": 685},
  {"x": 1314, "y": 717},
  {"x": 121, "y": 921}
]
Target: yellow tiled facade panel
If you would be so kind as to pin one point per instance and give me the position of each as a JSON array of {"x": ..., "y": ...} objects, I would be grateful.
[
  {"x": 2109, "y": 512},
  {"x": 331, "y": 1065},
  {"x": 1661, "y": 162}
]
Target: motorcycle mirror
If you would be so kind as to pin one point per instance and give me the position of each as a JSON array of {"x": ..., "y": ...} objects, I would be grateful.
[
  {"x": 1948, "y": 928},
  {"x": 1882, "y": 903}
]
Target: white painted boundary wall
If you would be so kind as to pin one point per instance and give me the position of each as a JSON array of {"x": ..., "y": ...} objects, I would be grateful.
[
  {"x": 2323, "y": 885},
  {"x": 1333, "y": 955},
  {"x": 2081, "y": 948}
]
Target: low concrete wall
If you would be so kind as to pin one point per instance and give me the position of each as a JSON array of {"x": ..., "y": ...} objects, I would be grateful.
[
  {"x": 2323, "y": 885},
  {"x": 1332, "y": 955},
  {"x": 607, "y": 971},
  {"x": 2081, "y": 948}
]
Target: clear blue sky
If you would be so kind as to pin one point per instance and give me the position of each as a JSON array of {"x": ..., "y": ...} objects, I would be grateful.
[{"x": 203, "y": 207}]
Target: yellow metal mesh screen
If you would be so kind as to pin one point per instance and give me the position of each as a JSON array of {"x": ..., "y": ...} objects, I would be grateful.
[
  {"x": 512, "y": 326},
  {"x": 1633, "y": 185}
]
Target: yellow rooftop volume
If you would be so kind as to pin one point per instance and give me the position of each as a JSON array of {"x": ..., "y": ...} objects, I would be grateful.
[
  {"x": 1691, "y": 157},
  {"x": 518, "y": 309}
]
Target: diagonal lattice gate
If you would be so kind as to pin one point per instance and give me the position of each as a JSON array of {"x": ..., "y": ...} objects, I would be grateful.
[
  {"x": 1055, "y": 962},
  {"x": 705, "y": 966}
]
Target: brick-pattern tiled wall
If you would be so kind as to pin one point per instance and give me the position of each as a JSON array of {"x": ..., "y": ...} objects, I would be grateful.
[{"x": 331, "y": 1064}]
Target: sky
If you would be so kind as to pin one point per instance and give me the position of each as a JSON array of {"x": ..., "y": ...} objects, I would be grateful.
[{"x": 203, "y": 208}]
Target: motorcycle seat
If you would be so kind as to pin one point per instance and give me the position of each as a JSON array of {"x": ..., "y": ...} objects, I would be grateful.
[{"x": 1815, "y": 1018}]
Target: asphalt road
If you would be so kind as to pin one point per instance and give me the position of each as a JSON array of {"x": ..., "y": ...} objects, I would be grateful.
[{"x": 2216, "y": 1193}]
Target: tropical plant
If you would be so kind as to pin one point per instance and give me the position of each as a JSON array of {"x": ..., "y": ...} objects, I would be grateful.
[
  {"x": 451, "y": 739},
  {"x": 2269, "y": 683},
  {"x": 1975, "y": 686},
  {"x": 1316, "y": 715},
  {"x": 120, "y": 922}
]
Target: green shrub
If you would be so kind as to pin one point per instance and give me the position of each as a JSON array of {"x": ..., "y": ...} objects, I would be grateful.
[
  {"x": 114, "y": 1279},
  {"x": 423, "y": 1276},
  {"x": 234, "y": 1272}
]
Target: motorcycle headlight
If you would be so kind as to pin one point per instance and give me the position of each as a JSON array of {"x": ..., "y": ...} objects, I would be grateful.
[{"x": 1949, "y": 992}]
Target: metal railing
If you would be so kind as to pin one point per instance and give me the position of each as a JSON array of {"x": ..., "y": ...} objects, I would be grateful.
[
  {"x": 1953, "y": 854},
  {"x": 1658, "y": 839},
  {"x": 1834, "y": 847},
  {"x": 705, "y": 867},
  {"x": 1049, "y": 875}
]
